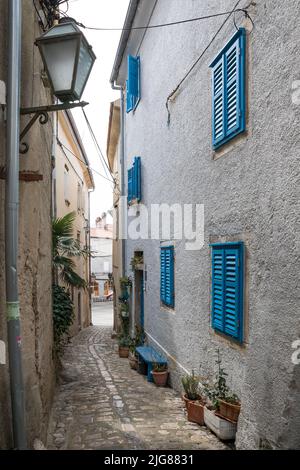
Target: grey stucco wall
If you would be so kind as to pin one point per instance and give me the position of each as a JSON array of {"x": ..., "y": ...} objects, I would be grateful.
[
  {"x": 35, "y": 243},
  {"x": 250, "y": 193}
]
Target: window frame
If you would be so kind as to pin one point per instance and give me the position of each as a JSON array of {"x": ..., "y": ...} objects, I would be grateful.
[
  {"x": 163, "y": 301},
  {"x": 240, "y": 38},
  {"x": 240, "y": 246}
]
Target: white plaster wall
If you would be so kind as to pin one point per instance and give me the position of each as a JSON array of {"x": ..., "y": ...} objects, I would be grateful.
[{"x": 250, "y": 193}]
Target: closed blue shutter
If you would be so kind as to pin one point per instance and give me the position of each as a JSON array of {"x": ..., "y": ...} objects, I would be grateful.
[
  {"x": 167, "y": 275},
  {"x": 130, "y": 185},
  {"x": 227, "y": 289},
  {"x": 217, "y": 289},
  {"x": 137, "y": 179},
  {"x": 232, "y": 292},
  {"x": 133, "y": 80},
  {"x": 218, "y": 102},
  {"x": 129, "y": 103},
  {"x": 162, "y": 275},
  {"x": 228, "y": 90}
]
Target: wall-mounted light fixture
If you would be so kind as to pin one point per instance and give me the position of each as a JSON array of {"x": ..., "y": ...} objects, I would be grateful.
[{"x": 68, "y": 59}]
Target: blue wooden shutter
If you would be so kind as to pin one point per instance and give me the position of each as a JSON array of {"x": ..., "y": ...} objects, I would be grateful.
[
  {"x": 130, "y": 185},
  {"x": 129, "y": 103},
  {"x": 137, "y": 178},
  {"x": 218, "y": 289},
  {"x": 227, "y": 289},
  {"x": 167, "y": 275},
  {"x": 228, "y": 90},
  {"x": 162, "y": 275},
  {"x": 218, "y": 102},
  {"x": 134, "y": 78},
  {"x": 232, "y": 292}
]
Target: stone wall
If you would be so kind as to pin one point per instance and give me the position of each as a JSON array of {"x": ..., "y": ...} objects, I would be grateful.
[
  {"x": 250, "y": 190},
  {"x": 34, "y": 260}
]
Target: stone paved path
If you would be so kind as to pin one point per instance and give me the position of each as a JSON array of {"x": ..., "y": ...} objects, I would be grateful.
[{"x": 102, "y": 404}]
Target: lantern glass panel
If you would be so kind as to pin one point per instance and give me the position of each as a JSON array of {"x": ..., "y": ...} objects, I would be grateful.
[
  {"x": 85, "y": 63},
  {"x": 60, "y": 58}
]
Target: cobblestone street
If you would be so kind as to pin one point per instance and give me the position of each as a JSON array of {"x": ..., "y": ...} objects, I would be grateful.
[{"x": 101, "y": 403}]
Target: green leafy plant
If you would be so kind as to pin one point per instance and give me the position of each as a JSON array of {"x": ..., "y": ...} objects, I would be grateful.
[
  {"x": 138, "y": 339},
  {"x": 64, "y": 249},
  {"x": 124, "y": 341},
  {"x": 190, "y": 383},
  {"x": 135, "y": 260},
  {"x": 63, "y": 316},
  {"x": 219, "y": 389},
  {"x": 125, "y": 282},
  {"x": 156, "y": 367}
]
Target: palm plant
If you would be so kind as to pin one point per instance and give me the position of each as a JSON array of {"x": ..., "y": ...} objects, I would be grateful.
[{"x": 64, "y": 248}]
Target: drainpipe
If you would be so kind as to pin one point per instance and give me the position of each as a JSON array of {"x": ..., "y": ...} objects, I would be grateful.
[
  {"x": 122, "y": 158},
  {"x": 11, "y": 224}
]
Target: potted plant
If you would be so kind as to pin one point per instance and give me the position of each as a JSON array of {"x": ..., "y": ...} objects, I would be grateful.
[
  {"x": 137, "y": 262},
  {"x": 160, "y": 374},
  {"x": 219, "y": 396},
  {"x": 138, "y": 340},
  {"x": 133, "y": 360},
  {"x": 190, "y": 383},
  {"x": 124, "y": 343},
  {"x": 193, "y": 400}
]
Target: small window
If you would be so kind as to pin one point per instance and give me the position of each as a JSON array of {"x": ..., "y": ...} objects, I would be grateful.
[
  {"x": 167, "y": 294},
  {"x": 227, "y": 288},
  {"x": 66, "y": 185},
  {"x": 228, "y": 90},
  {"x": 133, "y": 89},
  {"x": 134, "y": 181}
]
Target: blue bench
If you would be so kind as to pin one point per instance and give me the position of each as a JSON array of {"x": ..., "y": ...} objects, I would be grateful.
[{"x": 150, "y": 356}]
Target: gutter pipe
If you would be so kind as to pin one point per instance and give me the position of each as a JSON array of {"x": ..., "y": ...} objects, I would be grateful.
[{"x": 12, "y": 224}]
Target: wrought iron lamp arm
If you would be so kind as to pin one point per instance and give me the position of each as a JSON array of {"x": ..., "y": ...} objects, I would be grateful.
[{"x": 41, "y": 113}]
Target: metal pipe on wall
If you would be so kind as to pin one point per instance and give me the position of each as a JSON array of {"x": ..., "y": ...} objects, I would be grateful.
[{"x": 11, "y": 224}]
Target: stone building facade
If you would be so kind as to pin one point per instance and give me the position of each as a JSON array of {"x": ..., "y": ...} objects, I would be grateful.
[
  {"x": 249, "y": 187},
  {"x": 34, "y": 260}
]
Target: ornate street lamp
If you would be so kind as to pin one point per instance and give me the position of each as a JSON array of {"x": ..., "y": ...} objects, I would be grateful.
[{"x": 68, "y": 59}]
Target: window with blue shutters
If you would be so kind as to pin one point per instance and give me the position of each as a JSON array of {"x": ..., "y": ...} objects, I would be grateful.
[
  {"x": 133, "y": 88},
  {"x": 228, "y": 90},
  {"x": 167, "y": 294},
  {"x": 227, "y": 288},
  {"x": 135, "y": 181}
]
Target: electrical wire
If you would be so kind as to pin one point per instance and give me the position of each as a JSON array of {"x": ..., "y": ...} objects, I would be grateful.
[
  {"x": 82, "y": 161},
  {"x": 202, "y": 54},
  {"x": 162, "y": 25},
  {"x": 96, "y": 143}
]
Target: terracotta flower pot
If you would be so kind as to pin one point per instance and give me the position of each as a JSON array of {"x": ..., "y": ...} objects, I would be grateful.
[
  {"x": 123, "y": 351},
  {"x": 160, "y": 378},
  {"x": 133, "y": 362},
  {"x": 195, "y": 412},
  {"x": 229, "y": 411},
  {"x": 186, "y": 400}
]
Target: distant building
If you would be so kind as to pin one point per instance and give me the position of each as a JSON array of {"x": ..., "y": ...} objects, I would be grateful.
[
  {"x": 72, "y": 182},
  {"x": 113, "y": 155},
  {"x": 101, "y": 264}
]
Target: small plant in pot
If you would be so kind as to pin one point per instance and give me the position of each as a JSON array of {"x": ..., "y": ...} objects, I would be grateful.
[
  {"x": 124, "y": 343},
  {"x": 160, "y": 374},
  {"x": 193, "y": 400},
  {"x": 138, "y": 340},
  {"x": 222, "y": 409}
]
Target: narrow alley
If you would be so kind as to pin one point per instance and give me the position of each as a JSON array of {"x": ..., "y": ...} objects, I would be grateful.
[{"x": 101, "y": 403}]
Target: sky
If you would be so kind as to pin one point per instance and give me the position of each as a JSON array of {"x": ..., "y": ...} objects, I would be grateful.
[{"x": 98, "y": 92}]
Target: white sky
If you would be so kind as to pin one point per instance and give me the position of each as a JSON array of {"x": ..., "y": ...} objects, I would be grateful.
[{"x": 98, "y": 92}]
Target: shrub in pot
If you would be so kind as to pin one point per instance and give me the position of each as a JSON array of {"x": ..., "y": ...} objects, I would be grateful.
[
  {"x": 160, "y": 374},
  {"x": 190, "y": 383},
  {"x": 193, "y": 400},
  {"x": 124, "y": 343},
  {"x": 221, "y": 415}
]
